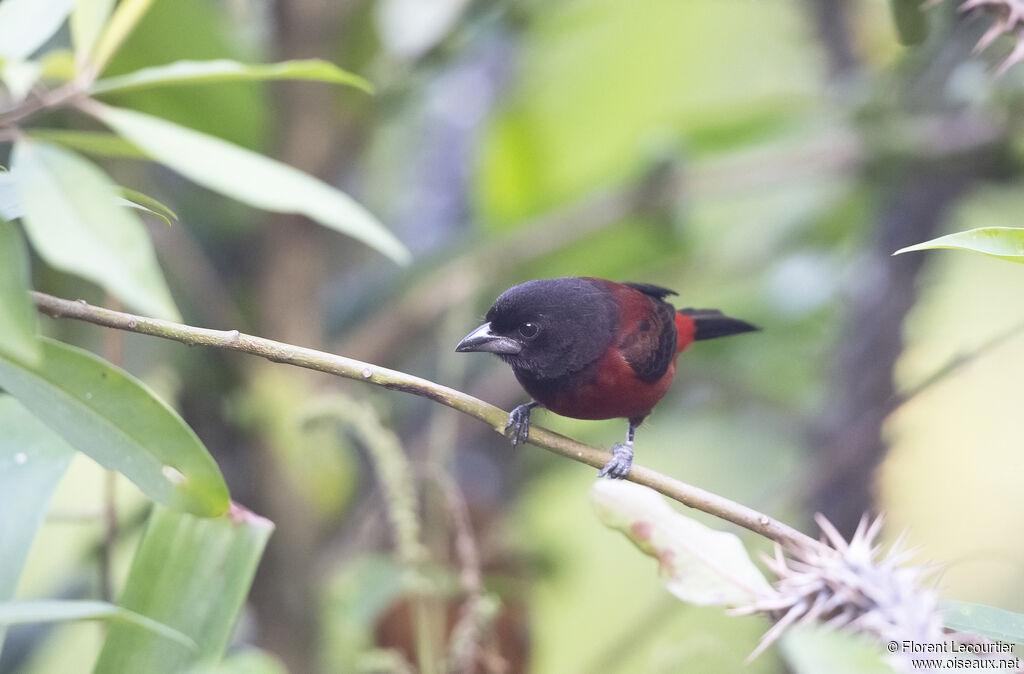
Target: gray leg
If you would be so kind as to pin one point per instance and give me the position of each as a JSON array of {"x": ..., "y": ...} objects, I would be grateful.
[
  {"x": 518, "y": 426},
  {"x": 622, "y": 457}
]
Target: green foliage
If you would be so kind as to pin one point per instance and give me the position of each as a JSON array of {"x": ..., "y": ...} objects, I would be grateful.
[
  {"x": 117, "y": 420},
  {"x": 26, "y": 24},
  {"x": 1005, "y": 243},
  {"x": 17, "y": 315},
  {"x": 911, "y": 22},
  {"x": 73, "y": 220},
  {"x": 191, "y": 574},
  {"x": 989, "y": 622},
  {"x": 32, "y": 461},
  {"x": 813, "y": 650}
]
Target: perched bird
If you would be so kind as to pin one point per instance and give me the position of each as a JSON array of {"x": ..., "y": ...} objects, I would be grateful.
[{"x": 588, "y": 348}]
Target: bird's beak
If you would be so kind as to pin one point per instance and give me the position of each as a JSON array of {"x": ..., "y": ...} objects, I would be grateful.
[{"x": 482, "y": 339}]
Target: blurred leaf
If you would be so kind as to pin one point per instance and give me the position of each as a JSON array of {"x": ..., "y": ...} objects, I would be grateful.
[
  {"x": 117, "y": 30},
  {"x": 1006, "y": 243},
  {"x": 18, "y": 77},
  {"x": 73, "y": 220},
  {"x": 87, "y": 20},
  {"x": 988, "y": 621},
  {"x": 114, "y": 418},
  {"x": 32, "y": 461},
  {"x": 249, "y": 661},
  {"x": 911, "y": 22},
  {"x": 192, "y": 574},
  {"x": 224, "y": 70},
  {"x": 44, "y": 611},
  {"x": 91, "y": 142},
  {"x": 26, "y": 24},
  {"x": 251, "y": 178},
  {"x": 146, "y": 203},
  {"x": 10, "y": 204},
  {"x": 813, "y": 650},
  {"x": 17, "y": 315},
  {"x": 698, "y": 564},
  {"x": 59, "y": 64}
]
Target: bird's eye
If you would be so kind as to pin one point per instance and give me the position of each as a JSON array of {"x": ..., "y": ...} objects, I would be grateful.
[{"x": 529, "y": 330}]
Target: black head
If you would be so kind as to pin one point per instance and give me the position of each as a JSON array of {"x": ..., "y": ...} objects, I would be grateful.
[{"x": 547, "y": 329}]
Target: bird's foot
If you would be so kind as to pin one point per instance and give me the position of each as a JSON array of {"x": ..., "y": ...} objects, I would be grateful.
[
  {"x": 518, "y": 427},
  {"x": 622, "y": 460}
]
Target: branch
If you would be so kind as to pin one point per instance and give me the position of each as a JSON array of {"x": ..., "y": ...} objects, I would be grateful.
[{"x": 279, "y": 352}]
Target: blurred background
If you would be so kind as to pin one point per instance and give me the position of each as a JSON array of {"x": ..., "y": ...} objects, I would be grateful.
[{"x": 764, "y": 158}]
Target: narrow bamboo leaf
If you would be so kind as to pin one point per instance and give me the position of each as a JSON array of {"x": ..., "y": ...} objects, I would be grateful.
[
  {"x": 106, "y": 413},
  {"x": 146, "y": 203},
  {"x": 191, "y": 574},
  {"x": 121, "y": 24},
  {"x": 987, "y": 621},
  {"x": 32, "y": 461},
  {"x": 17, "y": 315},
  {"x": 250, "y": 177},
  {"x": 698, "y": 564},
  {"x": 87, "y": 20},
  {"x": 73, "y": 220},
  {"x": 813, "y": 650},
  {"x": 1006, "y": 243},
  {"x": 26, "y": 24},
  {"x": 90, "y": 142},
  {"x": 48, "y": 611},
  {"x": 223, "y": 70}
]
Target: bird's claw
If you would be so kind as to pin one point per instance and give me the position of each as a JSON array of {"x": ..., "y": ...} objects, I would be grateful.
[
  {"x": 619, "y": 465},
  {"x": 518, "y": 427}
]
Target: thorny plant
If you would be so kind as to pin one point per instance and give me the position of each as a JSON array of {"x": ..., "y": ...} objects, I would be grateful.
[{"x": 1009, "y": 20}]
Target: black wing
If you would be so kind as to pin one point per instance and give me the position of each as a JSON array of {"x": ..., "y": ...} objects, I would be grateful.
[{"x": 650, "y": 346}]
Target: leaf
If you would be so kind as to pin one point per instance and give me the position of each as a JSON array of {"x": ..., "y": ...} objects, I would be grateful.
[
  {"x": 224, "y": 70},
  {"x": 144, "y": 202},
  {"x": 988, "y": 621},
  {"x": 26, "y": 24},
  {"x": 10, "y": 204},
  {"x": 91, "y": 142},
  {"x": 1006, "y": 243},
  {"x": 193, "y": 575},
  {"x": 121, "y": 24},
  {"x": 18, "y": 77},
  {"x": 45, "y": 611},
  {"x": 813, "y": 650},
  {"x": 17, "y": 315},
  {"x": 73, "y": 219},
  {"x": 32, "y": 461},
  {"x": 249, "y": 177},
  {"x": 87, "y": 20},
  {"x": 698, "y": 564},
  {"x": 114, "y": 418},
  {"x": 249, "y": 661}
]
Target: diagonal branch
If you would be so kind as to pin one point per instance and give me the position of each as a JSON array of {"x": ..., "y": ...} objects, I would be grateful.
[{"x": 279, "y": 352}]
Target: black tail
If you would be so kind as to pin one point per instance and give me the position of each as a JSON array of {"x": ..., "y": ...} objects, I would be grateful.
[{"x": 712, "y": 323}]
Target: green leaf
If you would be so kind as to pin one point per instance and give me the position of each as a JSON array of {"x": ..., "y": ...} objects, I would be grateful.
[
  {"x": 144, "y": 202},
  {"x": 249, "y": 661},
  {"x": 224, "y": 70},
  {"x": 250, "y": 177},
  {"x": 87, "y": 20},
  {"x": 91, "y": 142},
  {"x": 698, "y": 564},
  {"x": 106, "y": 413},
  {"x": 121, "y": 24},
  {"x": 26, "y": 24},
  {"x": 32, "y": 461},
  {"x": 988, "y": 621},
  {"x": 1006, "y": 243},
  {"x": 47, "y": 611},
  {"x": 193, "y": 575},
  {"x": 813, "y": 650},
  {"x": 19, "y": 77},
  {"x": 73, "y": 219},
  {"x": 17, "y": 315}
]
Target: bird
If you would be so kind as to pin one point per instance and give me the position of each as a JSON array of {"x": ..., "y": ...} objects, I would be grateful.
[{"x": 590, "y": 348}]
